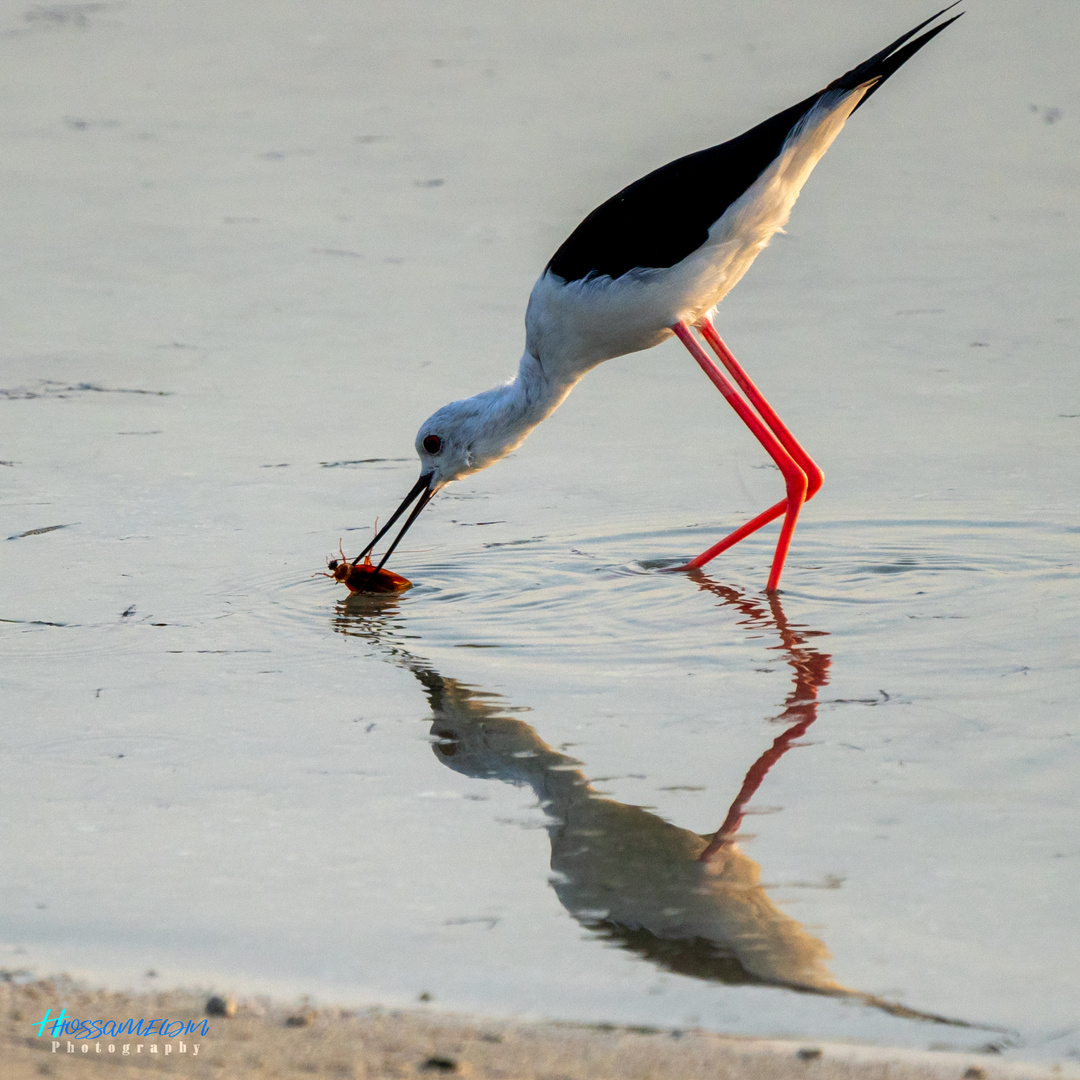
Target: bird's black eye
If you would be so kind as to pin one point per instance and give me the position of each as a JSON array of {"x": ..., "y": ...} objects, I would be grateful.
[{"x": 432, "y": 444}]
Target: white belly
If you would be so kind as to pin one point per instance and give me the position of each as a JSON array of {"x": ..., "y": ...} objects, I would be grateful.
[{"x": 573, "y": 326}]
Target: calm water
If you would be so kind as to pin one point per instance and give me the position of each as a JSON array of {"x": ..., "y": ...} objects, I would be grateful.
[{"x": 238, "y": 291}]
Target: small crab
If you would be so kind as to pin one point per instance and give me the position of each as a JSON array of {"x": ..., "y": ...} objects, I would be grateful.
[{"x": 364, "y": 576}]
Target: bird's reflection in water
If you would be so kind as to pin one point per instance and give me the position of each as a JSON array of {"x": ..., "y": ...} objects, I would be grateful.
[{"x": 690, "y": 904}]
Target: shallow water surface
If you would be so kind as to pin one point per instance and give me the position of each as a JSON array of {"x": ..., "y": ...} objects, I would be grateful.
[{"x": 553, "y": 778}]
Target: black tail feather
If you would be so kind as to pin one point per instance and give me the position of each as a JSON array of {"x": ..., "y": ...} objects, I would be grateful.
[
  {"x": 883, "y": 64},
  {"x": 662, "y": 218}
]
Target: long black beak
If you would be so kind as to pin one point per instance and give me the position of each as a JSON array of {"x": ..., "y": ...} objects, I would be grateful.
[{"x": 423, "y": 489}]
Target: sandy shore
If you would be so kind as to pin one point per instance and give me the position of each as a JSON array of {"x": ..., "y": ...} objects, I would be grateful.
[{"x": 270, "y": 1039}]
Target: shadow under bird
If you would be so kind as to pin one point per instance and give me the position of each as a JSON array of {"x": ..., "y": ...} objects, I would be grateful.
[{"x": 652, "y": 261}]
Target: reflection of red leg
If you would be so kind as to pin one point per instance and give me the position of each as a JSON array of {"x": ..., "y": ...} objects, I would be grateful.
[
  {"x": 811, "y": 670},
  {"x": 781, "y": 744},
  {"x": 802, "y": 476}
]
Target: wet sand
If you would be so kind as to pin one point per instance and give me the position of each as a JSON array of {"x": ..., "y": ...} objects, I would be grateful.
[{"x": 271, "y": 1039}]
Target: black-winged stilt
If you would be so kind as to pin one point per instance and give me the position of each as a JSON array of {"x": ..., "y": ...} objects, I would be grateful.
[{"x": 652, "y": 261}]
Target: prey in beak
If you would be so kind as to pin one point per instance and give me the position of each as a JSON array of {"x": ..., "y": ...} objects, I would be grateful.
[{"x": 364, "y": 578}]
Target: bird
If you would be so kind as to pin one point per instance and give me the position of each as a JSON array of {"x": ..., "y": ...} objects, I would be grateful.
[{"x": 654, "y": 261}]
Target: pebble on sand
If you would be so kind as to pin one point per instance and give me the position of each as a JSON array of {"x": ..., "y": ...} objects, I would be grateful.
[{"x": 221, "y": 1006}]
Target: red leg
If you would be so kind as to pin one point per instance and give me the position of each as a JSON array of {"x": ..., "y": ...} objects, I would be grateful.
[
  {"x": 778, "y": 442},
  {"x": 814, "y": 476}
]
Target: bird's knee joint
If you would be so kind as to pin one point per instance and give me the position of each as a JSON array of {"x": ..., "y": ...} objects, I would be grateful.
[{"x": 797, "y": 485}]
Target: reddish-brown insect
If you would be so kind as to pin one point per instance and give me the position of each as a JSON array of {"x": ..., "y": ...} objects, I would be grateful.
[{"x": 364, "y": 577}]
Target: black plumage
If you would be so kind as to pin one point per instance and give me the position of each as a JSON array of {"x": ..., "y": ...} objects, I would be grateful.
[{"x": 665, "y": 216}]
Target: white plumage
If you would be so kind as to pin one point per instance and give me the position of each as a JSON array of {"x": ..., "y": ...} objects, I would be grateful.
[{"x": 571, "y": 326}]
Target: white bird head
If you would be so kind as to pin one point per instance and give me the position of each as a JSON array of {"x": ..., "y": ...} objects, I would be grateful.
[
  {"x": 466, "y": 436},
  {"x": 469, "y": 435}
]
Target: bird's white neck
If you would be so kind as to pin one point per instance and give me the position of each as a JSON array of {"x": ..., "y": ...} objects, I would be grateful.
[
  {"x": 478, "y": 431},
  {"x": 535, "y": 392}
]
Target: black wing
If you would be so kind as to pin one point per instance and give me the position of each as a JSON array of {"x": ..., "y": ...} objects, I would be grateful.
[{"x": 663, "y": 217}]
